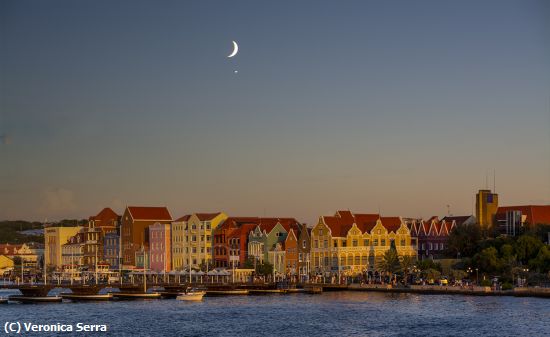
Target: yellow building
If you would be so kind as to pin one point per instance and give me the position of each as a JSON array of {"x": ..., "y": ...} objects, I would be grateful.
[
  {"x": 351, "y": 244},
  {"x": 55, "y": 238},
  {"x": 6, "y": 264},
  {"x": 192, "y": 239},
  {"x": 486, "y": 208}
]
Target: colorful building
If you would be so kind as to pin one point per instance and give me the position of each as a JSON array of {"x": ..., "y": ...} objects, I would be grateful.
[
  {"x": 514, "y": 220},
  {"x": 72, "y": 255},
  {"x": 111, "y": 249},
  {"x": 431, "y": 236},
  {"x": 486, "y": 208},
  {"x": 160, "y": 247},
  {"x": 304, "y": 253},
  {"x": 54, "y": 239},
  {"x": 179, "y": 245},
  {"x": 355, "y": 243},
  {"x": 291, "y": 255},
  {"x": 106, "y": 221},
  {"x": 237, "y": 249},
  {"x": 21, "y": 254},
  {"x": 134, "y": 230}
]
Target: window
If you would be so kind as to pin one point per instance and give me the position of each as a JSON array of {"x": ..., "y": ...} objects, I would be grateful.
[
  {"x": 326, "y": 260},
  {"x": 194, "y": 238},
  {"x": 402, "y": 242},
  {"x": 350, "y": 260},
  {"x": 383, "y": 242},
  {"x": 344, "y": 243},
  {"x": 376, "y": 242},
  {"x": 300, "y": 257},
  {"x": 364, "y": 259},
  {"x": 325, "y": 244},
  {"x": 335, "y": 261},
  {"x": 354, "y": 243},
  {"x": 430, "y": 245},
  {"x": 366, "y": 242},
  {"x": 194, "y": 226},
  {"x": 335, "y": 243},
  {"x": 357, "y": 260},
  {"x": 316, "y": 244}
]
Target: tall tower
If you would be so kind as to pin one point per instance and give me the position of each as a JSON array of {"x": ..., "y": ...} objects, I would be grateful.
[{"x": 486, "y": 208}]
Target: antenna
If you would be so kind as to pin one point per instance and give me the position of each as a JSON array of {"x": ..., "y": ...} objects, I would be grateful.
[
  {"x": 494, "y": 180},
  {"x": 448, "y": 210},
  {"x": 486, "y": 179}
]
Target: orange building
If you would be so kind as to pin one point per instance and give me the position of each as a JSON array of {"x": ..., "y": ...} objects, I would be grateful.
[{"x": 134, "y": 229}]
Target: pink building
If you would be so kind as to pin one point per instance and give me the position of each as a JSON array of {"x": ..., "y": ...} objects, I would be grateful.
[{"x": 159, "y": 247}]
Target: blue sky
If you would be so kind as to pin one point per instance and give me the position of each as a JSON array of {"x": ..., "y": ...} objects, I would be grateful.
[{"x": 393, "y": 105}]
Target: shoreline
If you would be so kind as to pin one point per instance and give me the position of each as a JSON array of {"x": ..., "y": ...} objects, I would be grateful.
[{"x": 450, "y": 290}]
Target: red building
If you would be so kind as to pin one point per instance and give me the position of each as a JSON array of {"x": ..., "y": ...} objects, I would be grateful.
[
  {"x": 514, "y": 220},
  {"x": 231, "y": 237}
]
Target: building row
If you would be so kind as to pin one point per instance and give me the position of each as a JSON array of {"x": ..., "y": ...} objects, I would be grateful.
[{"x": 149, "y": 237}]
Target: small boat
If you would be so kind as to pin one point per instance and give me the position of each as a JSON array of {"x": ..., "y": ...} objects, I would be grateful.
[
  {"x": 191, "y": 295},
  {"x": 36, "y": 299},
  {"x": 3, "y": 300},
  {"x": 135, "y": 295}
]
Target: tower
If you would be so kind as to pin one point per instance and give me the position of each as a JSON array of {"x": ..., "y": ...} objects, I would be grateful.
[{"x": 486, "y": 208}]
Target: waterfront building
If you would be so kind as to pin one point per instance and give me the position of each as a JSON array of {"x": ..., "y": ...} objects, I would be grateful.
[
  {"x": 179, "y": 246},
  {"x": 141, "y": 257},
  {"x": 160, "y": 247},
  {"x": 291, "y": 254},
  {"x": 54, "y": 238},
  {"x": 73, "y": 252},
  {"x": 515, "y": 220},
  {"x": 111, "y": 249},
  {"x": 486, "y": 208},
  {"x": 199, "y": 239},
  {"x": 134, "y": 230},
  {"x": 106, "y": 221},
  {"x": 20, "y": 255},
  {"x": 431, "y": 236},
  {"x": 354, "y": 243},
  {"x": 304, "y": 252},
  {"x": 237, "y": 244},
  {"x": 6, "y": 264}
]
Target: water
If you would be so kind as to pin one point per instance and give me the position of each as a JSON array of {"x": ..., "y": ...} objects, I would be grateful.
[{"x": 329, "y": 314}]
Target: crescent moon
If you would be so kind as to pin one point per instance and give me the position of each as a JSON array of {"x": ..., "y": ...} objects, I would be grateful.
[{"x": 235, "y": 50}]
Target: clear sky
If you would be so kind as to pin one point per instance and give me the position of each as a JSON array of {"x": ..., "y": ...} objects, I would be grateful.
[{"x": 397, "y": 106}]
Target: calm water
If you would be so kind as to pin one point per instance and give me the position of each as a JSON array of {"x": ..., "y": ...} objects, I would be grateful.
[{"x": 329, "y": 314}]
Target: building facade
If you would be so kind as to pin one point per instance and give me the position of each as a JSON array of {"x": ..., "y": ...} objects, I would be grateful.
[
  {"x": 515, "y": 220},
  {"x": 111, "y": 249},
  {"x": 134, "y": 230},
  {"x": 160, "y": 247},
  {"x": 54, "y": 239},
  {"x": 352, "y": 244},
  {"x": 304, "y": 253},
  {"x": 486, "y": 208}
]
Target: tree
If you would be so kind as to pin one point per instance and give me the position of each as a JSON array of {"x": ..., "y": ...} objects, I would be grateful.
[
  {"x": 264, "y": 268},
  {"x": 541, "y": 262},
  {"x": 527, "y": 247},
  {"x": 487, "y": 259},
  {"x": 407, "y": 263},
  {"x": 390, "y": 262},
  {"x": 458, "y": 274},
  {"x": 464, "y": 240}
]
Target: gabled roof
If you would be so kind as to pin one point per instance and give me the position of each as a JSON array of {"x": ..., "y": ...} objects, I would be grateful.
[
  {"x": 459, "y": 220},
  {"x": 105, "y": 217},
  {"x": 207, "y": 216},
  {"x": 535, "y": 214},
  {"x": 391, "y": 223},
  {"x": 183, "y": 218},
  {"x": 266, "y": 224},
  {"x": 149, "y": 213}
]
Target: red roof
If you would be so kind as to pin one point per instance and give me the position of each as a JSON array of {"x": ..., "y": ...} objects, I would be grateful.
[
  {"x": 150, "y": 213},
  {"x": 536, "y": 214},
  {"x": 106, "y": 217},
  {"x": 459, "y": 220},
  {"x": 391, "y": 223},
  {"x": 9, "y": 249},
  {"x": 266, "y": 224},
  {"x": 207, "y": 216},
  {"x": 342, "y": 222},
  {"x": 183, "y": 218}
]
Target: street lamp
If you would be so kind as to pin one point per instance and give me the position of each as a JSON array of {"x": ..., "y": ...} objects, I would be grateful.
[{"x": 477, "y": 276}]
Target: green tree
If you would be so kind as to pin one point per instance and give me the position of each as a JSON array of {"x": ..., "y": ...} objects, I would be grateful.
[
  {"x": 527, "y": 247},
  {"x": 464, "y": 240},
  {"x": 390, "y": 262},
  {"x": 487, "y": 260},
  {"x": 541, "y": 263},
  {"x": 407, "y": 264},
  {"x": 264, "y": 269}
]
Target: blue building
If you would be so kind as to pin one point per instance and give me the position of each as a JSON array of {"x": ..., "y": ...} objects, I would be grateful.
[{"x": 111, "y": 249}]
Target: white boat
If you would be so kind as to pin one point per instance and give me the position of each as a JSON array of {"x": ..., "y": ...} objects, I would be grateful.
[{"x": 191, "y": 295}]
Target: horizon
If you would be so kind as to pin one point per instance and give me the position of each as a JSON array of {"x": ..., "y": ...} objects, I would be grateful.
[{"x": 392, "y": 108}]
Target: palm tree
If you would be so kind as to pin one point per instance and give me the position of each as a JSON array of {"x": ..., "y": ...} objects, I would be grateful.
[
  {"x": 407, "y": 263},
  {"x": 390, "y": 262}
]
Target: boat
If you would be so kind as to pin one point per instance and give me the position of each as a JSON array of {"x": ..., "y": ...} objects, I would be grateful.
[
  {"x": 3, "y": 300},
  {"x": 191, "y": 295},
  {"x": 135, "y": 295},
  {"x": 228, "y": 292},
  {"x": 87, "y": 297},
  {"x": 35, "y": 299}
]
